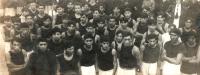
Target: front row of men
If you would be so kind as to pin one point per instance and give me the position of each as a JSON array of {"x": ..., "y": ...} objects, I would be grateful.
[{"x": 118, "y": 57}]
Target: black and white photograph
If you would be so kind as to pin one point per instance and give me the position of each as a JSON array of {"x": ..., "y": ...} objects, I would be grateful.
[{"x": 99, "y": 37}]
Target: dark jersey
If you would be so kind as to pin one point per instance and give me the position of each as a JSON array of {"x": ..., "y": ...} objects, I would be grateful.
[
  {"x": 151, "y": 55},
  {"x": 105, "y": 60},
  {"x": 42, "y": 63},
  {"x": 112, "y": 33},
  {"x": 39, "y": 20},
  {"x": 88, "y": 57},
  {"x": 69, "y": 65},
  {"x": 173, "y": 50},
  {"x": 56, "y": 47},
  {"x": 186, "y": 67},
  {"x": 126, "y": 58}
]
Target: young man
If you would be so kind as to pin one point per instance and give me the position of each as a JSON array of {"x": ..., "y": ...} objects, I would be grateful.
[
  {"x": 105, "y": 58},
  {"x": 16, "y": 59},
  {"x": 41, "y": 16},
  {"x": 56, "y": 43},
  {"x": 42, "y": 61},
  {"x": 44, "y": 31},
  {"x": 151, "y": 30},
  {"x": 69, "y": 61},
  {"x": 57, "y": 19},
  {"x": 124, "y": 26},
  {"x": 90, "y": 28},
  {"x": 172, "y": 54},
  {"x": 33, "y": 9},
  {"x": 129, "y": 58},
  {"x": 161, "y": 24},
  {"x": 8, "y": 29},
  {"x": 81, "y": 26},
  {"x": 151, "y": 56},
  {"x": 71, "y": 34},
  {"x": 187, "y": 28},
  {"x": 101, "y": 26},
  {"x": 189, "y": 64},
  {"x": 88, "y": 57},
  {"x": 112, "y": 26}
]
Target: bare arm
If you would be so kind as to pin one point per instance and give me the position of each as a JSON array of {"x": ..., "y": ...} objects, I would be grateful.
[
  {"x": 138, "y": 56},
  {"x": 114, "y": 53}
]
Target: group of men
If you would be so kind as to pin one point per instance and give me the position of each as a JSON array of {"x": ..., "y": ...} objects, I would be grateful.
[{"x": 102, "y": 37}]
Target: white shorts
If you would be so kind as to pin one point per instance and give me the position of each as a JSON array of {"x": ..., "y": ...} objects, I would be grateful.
[
  {"x": 149, "y": 68},
  {"x": 109, "y": 72},
  {"x": 121, "y": 71},
  {"x": 171, "y": 69},
  {"x": 90, "y": 70}
]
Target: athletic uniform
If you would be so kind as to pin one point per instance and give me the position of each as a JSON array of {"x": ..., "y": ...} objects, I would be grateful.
[
  {"x": 171, "y": 52},
  {"x": 67, "y": 66},
  {"x": 186, "y": 67},
  {"x": 17, "y": 58},
  {"x": 105, "y": 62},
  {"x": 56, "y": 47},
  {"x": 88, "y": 61},
  {"x": 150, "y": 60},
  {"x": 127, "y": 61}
]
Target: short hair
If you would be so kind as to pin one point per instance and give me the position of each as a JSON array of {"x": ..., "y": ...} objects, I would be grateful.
[
  {"x": 89, "y": 24},
  {"x": 126, "y": 34},
  {"x": 15, "y": 19},
  {"x": 152, "y": 36},
  {"x": 123, "y": 19},
  {"x": 41, "y": 40},
  {"x": 190, "y": 34},
  {"x": 70, "y": 22},
  {"x": 69, "y": 44},
  {"x": 119, "y": 32},
  {"x": 87, "y": 35},
  {"x": 151, "y": 22},
  {"x": 176, "y": 31},
  {"x": 105, "y": 39},
  {"x": 172, "y": 25},
  {"x": 101, "y": 19},
  {"x": 55, "y": 30}
]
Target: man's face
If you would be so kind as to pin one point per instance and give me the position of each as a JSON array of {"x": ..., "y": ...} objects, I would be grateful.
[
  {"x": 96, "y": 14},
  {"x": 174, "y": 37},
  {"x": 152, "y": 42},
  {"x": 188, "y": 23},
  {"x": 88, "y": 41},
  {"x": 100, "y": 24},
  {"x": 70, "y": 5},
  {"x": 116, "y": 10},
  {"x": 41, "y": 9},
  {"x": 84, "y": 19},
  {"x": 127, "y": 14},
  {"x": 105, "y": 46},
  {"x": 33, "y": 6},
  {"x": 71, "y": 27},
  {"x": 42, "y": 46},
  {"x": 16, "y": 46},
  {"x": 60, "y": 10},
  {"x": 29, "y": 20},
  {"x": 69, "y": 51},
  {"x": 128, "y": 41},
  {"x": 119, "y": 37},
  {"x": 191, "y": 40},
  {"x": 90, "y": 29},
  {"x": 77, "y": 9},
  {"x": 160, "y": 19},
  {"x": 25, "y": 32},
  {"x": 112, "y": 22},
  {"x": 57, "y": 36},
  {"x": 101, "y": 8},
  {"x": 47, "y": 22}
]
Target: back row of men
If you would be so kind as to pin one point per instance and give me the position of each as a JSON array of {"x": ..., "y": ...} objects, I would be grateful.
[{"x": 90, "y": 42}]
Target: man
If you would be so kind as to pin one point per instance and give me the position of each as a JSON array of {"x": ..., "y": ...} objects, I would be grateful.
[
  {"x": 172, "y": 54},
  {"x": 189, "y": 64},
  {"x": 112, "y": 26},
  {"x": 16, "y": 59},
  {"x": 105, "y": 58},
  {"x": 88, "y": 56},
  {"x": 69, "y": 61},
  {"x": 42, "y": 61},
  {"x": 56, "y": 43},
  {"x": 151, "y": 56},
  {"x": 129, "y": 57}
]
